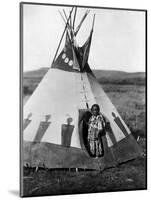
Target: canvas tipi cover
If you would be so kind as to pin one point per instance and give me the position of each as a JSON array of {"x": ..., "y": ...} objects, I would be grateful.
[{"x": 53, "y": 127}]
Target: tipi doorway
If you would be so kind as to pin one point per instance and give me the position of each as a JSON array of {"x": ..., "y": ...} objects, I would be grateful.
[{"x": 84, "y": 116}]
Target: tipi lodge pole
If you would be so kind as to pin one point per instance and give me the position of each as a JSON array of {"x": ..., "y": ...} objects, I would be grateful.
[
  {"x": 93, "y": 21},
  {"x": 74, "y": 17},
  {"x": 65, "y": 21},
  {"x": 62, "y": 36}
]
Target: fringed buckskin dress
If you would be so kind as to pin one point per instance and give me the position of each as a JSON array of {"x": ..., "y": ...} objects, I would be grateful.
[{"x": 96, "y": 126}]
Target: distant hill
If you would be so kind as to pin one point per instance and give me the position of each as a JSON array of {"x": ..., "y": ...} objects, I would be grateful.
[
  {"x": 39, "y": 73},
  {"x": 120, "y": 77},
  {"x": 103, "y": 76},
  {"x": 32, "y": 78}
]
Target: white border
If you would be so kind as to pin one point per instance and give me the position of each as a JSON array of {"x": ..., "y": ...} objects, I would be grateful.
[{"x": 9, "y": 110}]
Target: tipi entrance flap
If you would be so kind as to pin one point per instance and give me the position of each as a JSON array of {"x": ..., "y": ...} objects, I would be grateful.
[{"x": 84, "y": 115}]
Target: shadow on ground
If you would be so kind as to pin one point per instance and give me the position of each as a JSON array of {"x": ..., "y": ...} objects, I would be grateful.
[{"x": 14, "y": 192}]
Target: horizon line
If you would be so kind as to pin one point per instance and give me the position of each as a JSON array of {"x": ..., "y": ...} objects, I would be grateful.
[{"x": 91, "y": 69}]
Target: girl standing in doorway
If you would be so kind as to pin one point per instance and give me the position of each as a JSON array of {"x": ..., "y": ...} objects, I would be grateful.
[{"x": 96, "y": 126}]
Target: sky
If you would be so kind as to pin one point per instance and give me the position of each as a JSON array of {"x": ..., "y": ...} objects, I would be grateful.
[{"x": 118, "y": 41}]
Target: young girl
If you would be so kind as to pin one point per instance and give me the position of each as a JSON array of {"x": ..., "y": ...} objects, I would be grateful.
[{"x": 95, "y": 129}]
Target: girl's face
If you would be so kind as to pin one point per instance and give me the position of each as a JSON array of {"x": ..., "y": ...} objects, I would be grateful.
[{"x": 95, "y": 111}]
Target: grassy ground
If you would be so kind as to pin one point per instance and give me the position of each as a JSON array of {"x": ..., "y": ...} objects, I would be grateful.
[
  {"x": 130, "y": 103},
  {"x": 127, "y": 176}
]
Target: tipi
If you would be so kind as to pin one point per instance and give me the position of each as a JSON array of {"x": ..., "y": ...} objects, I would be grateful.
[{"x": 53, "y": 130}]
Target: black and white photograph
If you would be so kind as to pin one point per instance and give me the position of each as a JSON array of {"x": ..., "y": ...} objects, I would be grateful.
[{"x": 83, "y": 99}]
